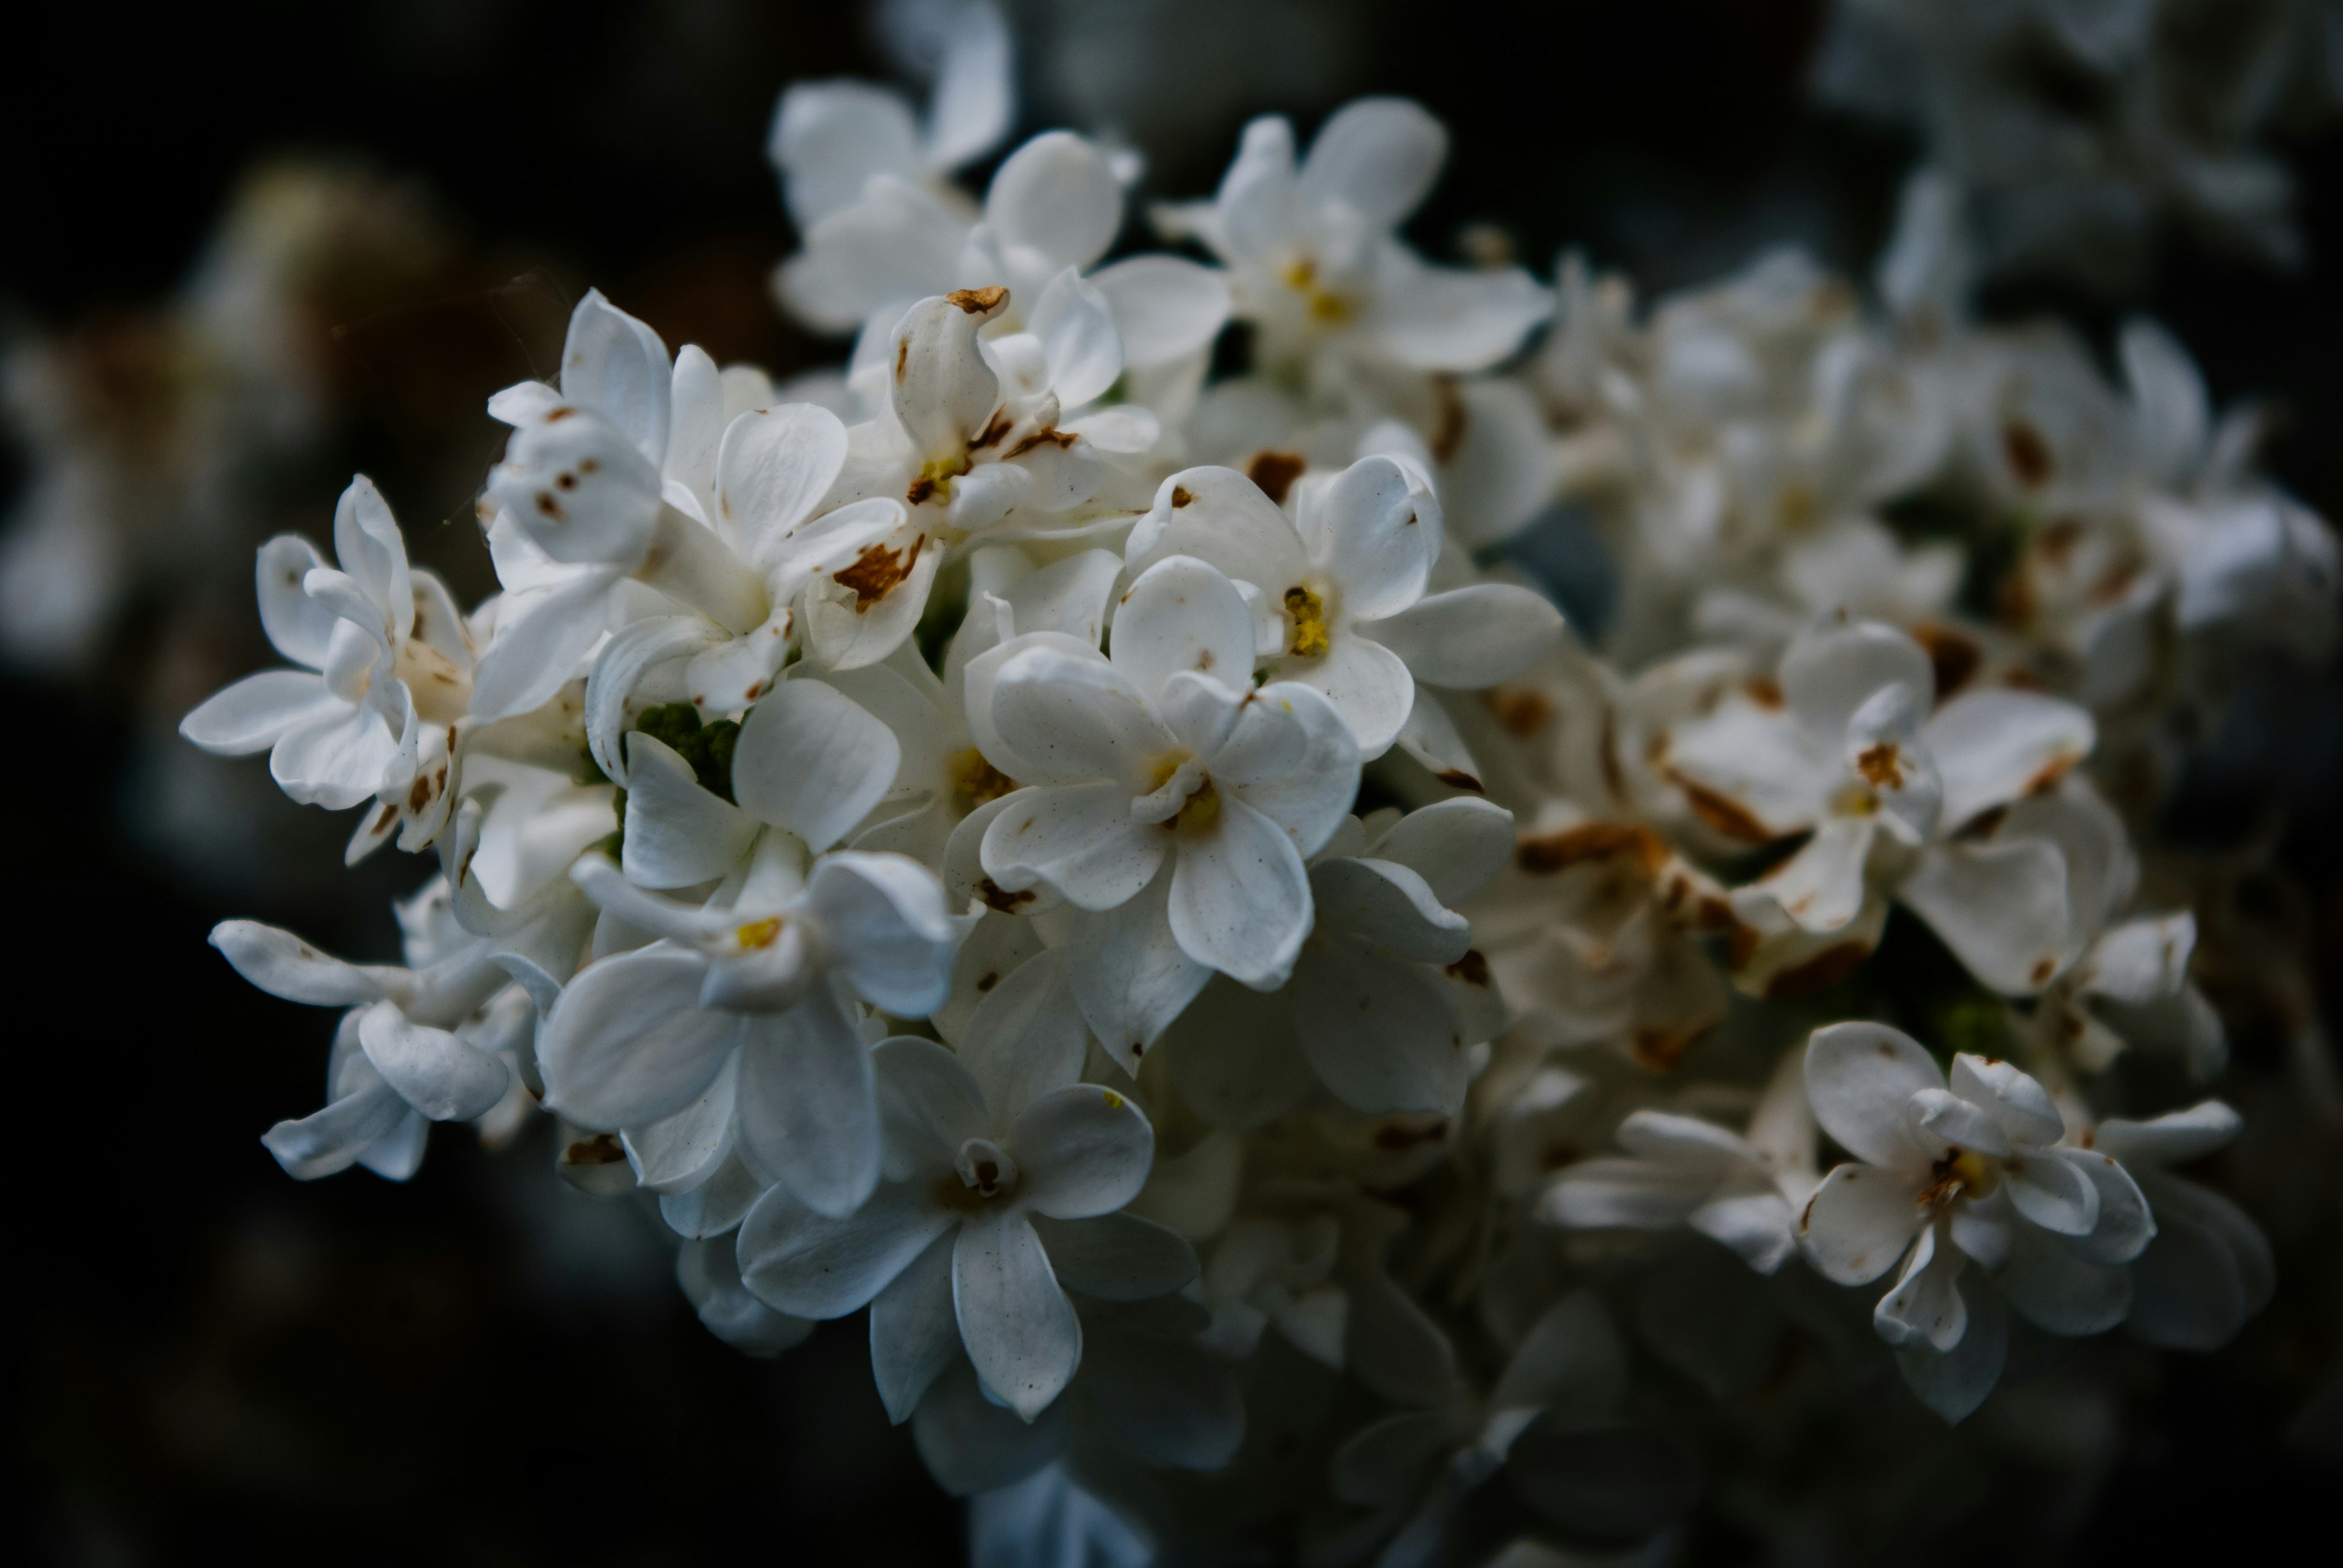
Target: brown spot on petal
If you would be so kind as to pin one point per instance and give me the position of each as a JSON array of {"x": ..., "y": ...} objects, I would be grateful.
[
  {"x": 1953, "y": 655},
  {"x": 1820, "y": 972},
  {"x": 1520, "y": 710},
  {"x": 1396, "y": 1137},
  {"x": 2028, "y": 454},
  {"x": 994, "y": 897},
  {"x": 920, "y": 490},
  {"x": 1764, "y": 691},
  {"x": 987, "y": 980},
  {"x": 994, "y": 433},
  {"x": 1548, "y": 853},
  {"x": 1275, "y": 472},
  {"x": 978, "y": 301},
  {"x": 1180, "y": 496},
  {"x": 903, "y": 359},
  {"x": 1061, "y": 439},
  {"x": 2042, "y": 970},
  {"x": 1457, "y": 779},
  {"x": 602, "y": 1149},
  {"x": 1882, "y": 766},
  {"x": 1728, "y": 817},
  {"x": 1448, "y": 421},
  {"x": 877, "y": 571},
  {"x": 389, "y": 815},
  {"x": 1472, "y": 969},
  {"x": 2052, "y": 771},
  {"x": 560, "y": 414},
  {"x": 1662, "y": 1049}
]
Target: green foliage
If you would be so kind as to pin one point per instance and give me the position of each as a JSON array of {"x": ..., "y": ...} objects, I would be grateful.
[{"x": 706, "y": 747}]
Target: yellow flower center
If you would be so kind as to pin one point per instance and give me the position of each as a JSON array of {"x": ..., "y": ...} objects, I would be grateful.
[
  {"x": 758, "y": 934},
  {"x": 1308, "y": 614},
  {"x": 974, "y": 779}
]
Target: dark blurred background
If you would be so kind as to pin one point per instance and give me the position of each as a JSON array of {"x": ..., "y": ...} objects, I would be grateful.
[{"x": 212, "y": 1362}]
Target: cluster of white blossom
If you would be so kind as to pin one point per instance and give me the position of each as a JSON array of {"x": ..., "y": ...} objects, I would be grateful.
[
  {"x": 2079, "y": 126},
  {"x": 1108, "y": 869}
]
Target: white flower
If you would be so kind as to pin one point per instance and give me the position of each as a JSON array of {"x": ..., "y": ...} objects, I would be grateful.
[
  {"x": 1342, "y": 590},
  {"x": 1169, "y": 794},
  {"x": 995, "y": 1157},
  {"x": 392, "y": 663},
  {"x": 2209, "y": 1268},
  {"x": 737, "y": 1028},
  {"x": 1979, "y": 1171},
  {"x": 1744, "y": 1192},
  {"x": 1314, "y": 261}
]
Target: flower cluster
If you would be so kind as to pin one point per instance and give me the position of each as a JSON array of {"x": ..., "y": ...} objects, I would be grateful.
[{"x": 1127, "y": 876}]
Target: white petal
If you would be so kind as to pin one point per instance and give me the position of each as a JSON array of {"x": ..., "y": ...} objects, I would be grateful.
[
  {"x": 1078, "y": 336},
  {"x": 1687, "y": 1141},
  {"x": 717, "y": 1205},
  {"x": 1633, "y": 1194},
  {"x": 681, "y": 1152},
  {"x": 1471, "y": 637},
  {"x": 1389, "y": 905},
  {"x": 1165, "y": 305},
  {"x": 809, "y": 1106},
  {"x": 2141, "y": 961},
  {"x": 1860, "y": 1079},
  {"x": 812, "y": 761},
  {"x": 1057, "y": 196},
  {"x": 678, "y": 835},
  {"x": 1020, "y": 1329},
  {"x": 975, "y": 98},
  {"x": 1453, "y": 318},
  {"x": 1943, "y": 1121},
  {"x": 282, "y": 964},
  {"x": 1380, "y": 1033},
  {"x": 943, "y": 391},
  {"x": 2022, "y": 1107},
  {"x": 1821, "y": 886},
  {"x": 809, "y": 1266},
  {"x": 1183, "y": 615},
  {"x": 629, "y": 1042},
  {"x": 297, "y": 625},
  {"x": 1080, "y": 842},
  {"x": 2176, "y": 1138},
  {"x": 1859, "y": 1221},
  {"x": 1378, "y": 157},
  {"x": 1117, "y": 1257},
  {"x": 2053, "y": 1193},
  {"x": 1457, "y": 846},
  {"x": 696, "y": 426},
  {"x": 710, "y": 1275},
  {"x": 1130, "y": 975},
  {"x": 774, "y": 465},
  {"x": 1085, "y": 1150},
  {"x": 885, "y": 924},
  {"x": 1367, "y": 683},
  {"x": 1749, "y": 771},
  {"x": 973, "y": 1446},
  {"x": 830, "y": 542},
  {"x": 1498, "y": 462},
  {"x": 913, "y": 1334},
  {"x": 2058, "y": 1292},
  {"x": 1993, "y": 745},
  {"x": 330, "y": 1141},
  {"x": 847, "y": 631},
  {"x": 1757, "y": 1226},
  {"x": 335, "y": 760},
  {"x": 1954, "y": 1382},
  {"x": 1835, "y": 666},
  {"x": 432, "y": 1071},
  {"x": 1239, "y": 896},
  {"x": 929, "y": 1105},
  {"x": 1430, "y": 737},
  {"x": 617, "y": 365},
  {"x": 1221, "y": 518},
  {"x": 367, "y": 544},
  {"x": 535, "y": 652},
  {"x": 1926, "y": 1303},
  {"x": 2000, "y": 907},
  {"x": 830, "y": 138},
  {"x": 1068, "y": 718},
  {"x": 1310, "y": 802},
  {"x": 1377, "y": 537},
  {"x": 259, "y": 710},
  {"x": 1026, "y": 1038},
  {"x": 873, "y": 259}
]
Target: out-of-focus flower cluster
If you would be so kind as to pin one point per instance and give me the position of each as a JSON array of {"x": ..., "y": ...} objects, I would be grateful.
[
  {"x": 1119, "y": 867},
  {"x": 2080, "y": 127}
]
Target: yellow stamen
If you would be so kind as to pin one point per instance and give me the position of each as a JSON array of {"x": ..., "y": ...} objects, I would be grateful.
[
  {"x": 1202, "y": 810},
  {"x": 758, "y": 934},
  {"x": 1309, "y": 613},
  {"x": 975, "y": 781}
]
